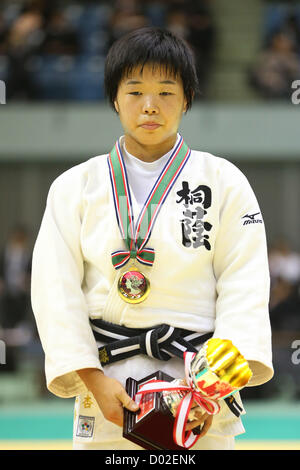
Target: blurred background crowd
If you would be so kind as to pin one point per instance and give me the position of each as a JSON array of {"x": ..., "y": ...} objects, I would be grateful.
[{"x": 55, "y": 51}]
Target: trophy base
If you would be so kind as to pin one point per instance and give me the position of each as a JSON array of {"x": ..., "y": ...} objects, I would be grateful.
[{"x": 151, "y": 427}]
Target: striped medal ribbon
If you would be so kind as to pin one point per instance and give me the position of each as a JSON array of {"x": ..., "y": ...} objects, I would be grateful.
[{"x": 133, "y": 286}]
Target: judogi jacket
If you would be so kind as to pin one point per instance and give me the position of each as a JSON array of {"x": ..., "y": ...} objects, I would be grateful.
[{"x": 210, "y": 271}]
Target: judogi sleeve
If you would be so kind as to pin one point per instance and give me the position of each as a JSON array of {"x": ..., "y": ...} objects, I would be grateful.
[
  {"x": 58, "y": 301},
  {"x": 242, "y": 274}
]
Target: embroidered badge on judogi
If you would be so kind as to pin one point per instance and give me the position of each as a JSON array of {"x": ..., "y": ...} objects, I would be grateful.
[{"x": 85, "y": 426}]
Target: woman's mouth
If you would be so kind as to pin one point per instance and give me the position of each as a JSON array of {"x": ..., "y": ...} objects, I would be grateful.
[{"x": 151, "y": 126}]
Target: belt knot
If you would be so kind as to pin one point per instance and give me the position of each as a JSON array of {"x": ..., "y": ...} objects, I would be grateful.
[{"x": 153, "y": 342}]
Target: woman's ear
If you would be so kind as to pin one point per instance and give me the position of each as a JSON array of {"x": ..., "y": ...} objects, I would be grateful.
[{"x": 116, "y": 106}]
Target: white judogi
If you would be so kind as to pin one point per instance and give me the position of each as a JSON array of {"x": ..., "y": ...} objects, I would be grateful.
[{"x": 214, "y": 279}]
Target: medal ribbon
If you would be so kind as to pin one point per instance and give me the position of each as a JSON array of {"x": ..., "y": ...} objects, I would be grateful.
[
  {"x": 209, "y": 405},
  {"x": 134, "y": 240}
]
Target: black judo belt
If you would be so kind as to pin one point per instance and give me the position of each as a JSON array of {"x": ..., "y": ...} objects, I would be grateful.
[{"x": 160, "y": 342}]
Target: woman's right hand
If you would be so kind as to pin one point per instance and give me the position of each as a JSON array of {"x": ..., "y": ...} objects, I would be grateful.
[{"x": 109, "y": 393}]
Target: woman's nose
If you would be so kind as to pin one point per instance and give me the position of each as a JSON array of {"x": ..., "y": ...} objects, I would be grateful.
[{"x": 150, "y": 107}]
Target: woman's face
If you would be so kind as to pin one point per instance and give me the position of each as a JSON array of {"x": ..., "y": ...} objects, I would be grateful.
[{"x": 150, "y": 106}]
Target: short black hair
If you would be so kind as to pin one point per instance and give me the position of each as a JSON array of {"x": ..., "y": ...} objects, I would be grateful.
[{"x": 150, "y": 45}]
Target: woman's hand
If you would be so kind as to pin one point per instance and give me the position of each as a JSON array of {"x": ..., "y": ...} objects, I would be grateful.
[
  {"x": 112, "y": 397},
  {"x": 201, "y": 418},
  {"x": 109, "y": 393}
]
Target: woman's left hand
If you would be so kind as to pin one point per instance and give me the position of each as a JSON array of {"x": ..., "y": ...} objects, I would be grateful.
[{"x": 203, "y": 419}]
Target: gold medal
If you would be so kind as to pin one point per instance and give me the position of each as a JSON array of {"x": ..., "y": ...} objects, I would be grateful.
[{"x": 133, "y": 286}]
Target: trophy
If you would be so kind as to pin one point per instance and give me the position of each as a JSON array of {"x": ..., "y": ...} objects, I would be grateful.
[
  {"x": 152, "y": 426},
  {"x": 217, "y": 371}
]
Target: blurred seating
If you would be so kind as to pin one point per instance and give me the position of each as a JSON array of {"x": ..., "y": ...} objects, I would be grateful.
[
  {"x": 284, "y": 264},
  {"x": 156, "y": 12},
  {"x": 87, "y": 79},
  {"x": 277, "y": 66},
  {"x": 56, "y": 51},
  {"x": 16, "y": 323},
  {"x": 54, "y": 54},
  {"x": 126, "y": 16},
  {"x": 92, "y": 29},
  {"x": 67, "y": 78},
  {"x": 282, "y": 17},
  {"x": 277, "y": 63},
  {"x": 3, "y": 67}
]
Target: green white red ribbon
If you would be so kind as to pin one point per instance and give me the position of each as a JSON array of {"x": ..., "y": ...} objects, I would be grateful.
[{"x": 135, "y": 240}]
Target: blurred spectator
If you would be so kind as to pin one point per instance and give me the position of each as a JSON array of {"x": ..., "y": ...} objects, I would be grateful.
[
  {"x": 127, "y": 16},
  {"x": 15, "y": 268},
  {"x": 3, "y": 33},
  {"x": 291, "y": 28},
  {"x": 284, "y": 262},
  {"x": 23, "y": 40},
  {"x": 177, "y": 22},
  {"x": 201, "y": 36},
  {"x": 155, "y": 10},
  {"x": 285, "y": 315},
  {"x": 276, "y": 68},
  {"x": 285, "y": 18},
  {"x": 59, "y": 37},
  {"x": 285, "y": 280},
  {"x": 193, "y": 22}
]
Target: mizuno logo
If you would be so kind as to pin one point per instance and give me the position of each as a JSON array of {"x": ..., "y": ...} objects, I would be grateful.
[{"x": 250, "y": 219}]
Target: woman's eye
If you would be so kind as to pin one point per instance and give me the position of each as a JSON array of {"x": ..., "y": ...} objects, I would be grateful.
[{"x": 138, "y": 93}]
